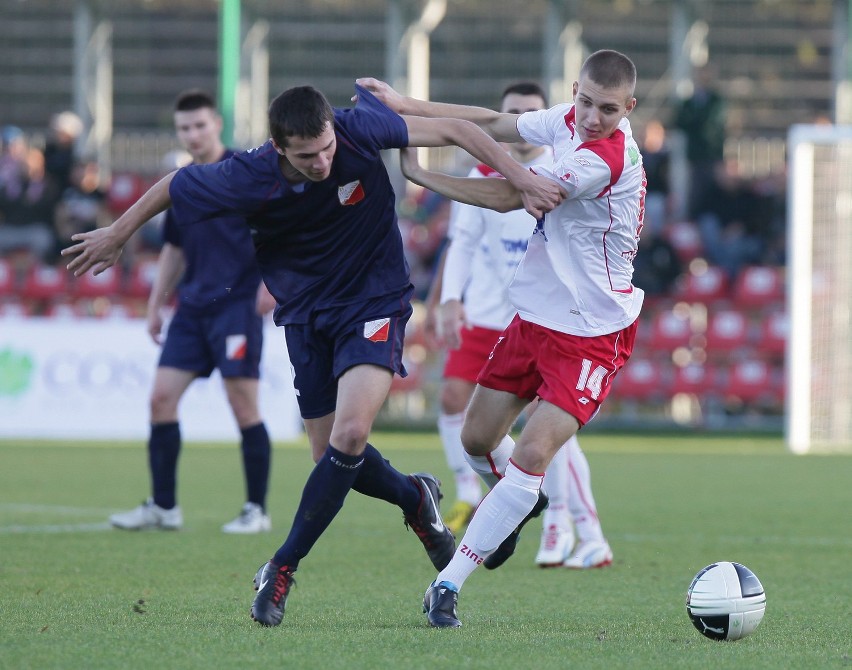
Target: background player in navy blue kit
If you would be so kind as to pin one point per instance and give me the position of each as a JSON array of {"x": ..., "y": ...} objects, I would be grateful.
[
  {"x": 217, "y": 325},
  {"x": 321, "y": 208}
]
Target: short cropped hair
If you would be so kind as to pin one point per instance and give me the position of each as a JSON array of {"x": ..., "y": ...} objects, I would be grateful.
[
  {"x": 301, "y": 111},
  {"x": 610, "y": 69},
  {"x": 525, "y": 88},
  {"x": 193, "y": 99}
]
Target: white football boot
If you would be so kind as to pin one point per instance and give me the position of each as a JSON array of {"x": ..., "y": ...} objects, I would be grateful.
[
  {"x": 555, "y": 547},
  {"x": 592, "y": 554},
  {"x": 252, "y": 519},
  {"x": 148, "y": 515}
]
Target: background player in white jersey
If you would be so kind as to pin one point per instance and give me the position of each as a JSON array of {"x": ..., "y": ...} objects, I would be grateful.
[
  {"x": 479, "y": 263},
  {"x": 577, "y": 307}
]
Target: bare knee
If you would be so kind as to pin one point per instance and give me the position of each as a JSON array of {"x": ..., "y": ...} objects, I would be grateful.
[
  {"x": 163, "y": 405},
  {"x": 475, "y": 443},
  {"x": 245, "y": 413},
  {"x": 350, "y": 436},
  {"x": 455, "y": 395}
]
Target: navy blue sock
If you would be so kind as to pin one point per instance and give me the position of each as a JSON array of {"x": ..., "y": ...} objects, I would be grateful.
[
  {"x": 379, "y": 479},
  {"x": 257, "y": 454},
  {"x": 163, "y": 451},
  {"x": 322, "y": 498}
]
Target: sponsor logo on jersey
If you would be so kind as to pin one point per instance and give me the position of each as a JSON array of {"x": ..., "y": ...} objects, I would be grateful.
[
  {"x": 582, "y": 161},
  {"x": 633, "y": 153},
  {"x": 378, "y": 330},
  {"x": 351, "y": 193},
  {"x": 235, "y": 347}
]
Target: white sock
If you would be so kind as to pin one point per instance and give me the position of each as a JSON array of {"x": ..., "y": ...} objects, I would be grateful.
[
  {"x": 556, "y": 488},
  {"x": 581, "y": 502},
  {"x": 468, "y": 487},
  {"x": 492, "y": 467},
  {"x": 499, "y": 513}
]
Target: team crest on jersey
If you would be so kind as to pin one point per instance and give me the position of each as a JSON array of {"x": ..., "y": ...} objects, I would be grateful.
[
  {"x": 235, "y": 347},
  {"x": 570, "y": 119},
  {"x": 351, "y": 193},
  {"x": 377, "y": 330}
]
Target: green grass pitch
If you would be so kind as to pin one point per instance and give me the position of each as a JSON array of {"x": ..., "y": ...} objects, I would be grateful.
[{"x": 75, "y": 594}]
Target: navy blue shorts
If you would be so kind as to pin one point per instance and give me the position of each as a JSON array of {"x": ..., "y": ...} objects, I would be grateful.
[
  {"x": 229, "y": 338},
  {"x": 371, "y": 332}
]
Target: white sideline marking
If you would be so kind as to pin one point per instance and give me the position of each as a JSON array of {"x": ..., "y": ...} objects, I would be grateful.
[
  {"x": 64, "y": 510},
  {"x": 54, "y": 510},
  {"x": 61, "y": 528},
  {"x": 735, "y": 539}
]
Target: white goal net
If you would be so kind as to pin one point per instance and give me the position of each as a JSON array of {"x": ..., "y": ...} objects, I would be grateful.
[{"x": 819, "y": 289}]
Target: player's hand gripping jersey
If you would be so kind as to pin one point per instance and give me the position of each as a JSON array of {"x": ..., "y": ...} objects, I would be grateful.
[{"x": 576, "y": 275}]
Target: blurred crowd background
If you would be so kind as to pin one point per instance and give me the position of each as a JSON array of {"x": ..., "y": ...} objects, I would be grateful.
[{"x": 86, "y": 127}]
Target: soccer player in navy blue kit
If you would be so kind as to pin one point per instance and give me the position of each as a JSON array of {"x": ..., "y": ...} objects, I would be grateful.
[
  {"x": 217, "y": 324},
  {"x": 321, "y": 208}
]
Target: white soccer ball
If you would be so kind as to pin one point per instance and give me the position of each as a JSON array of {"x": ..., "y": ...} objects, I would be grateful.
[{"x": 725, "y": 601}]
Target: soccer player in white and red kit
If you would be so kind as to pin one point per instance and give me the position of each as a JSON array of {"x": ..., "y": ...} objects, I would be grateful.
[
  {"x": 479, "y": 264},
  {"x": 577, "y": 307}
]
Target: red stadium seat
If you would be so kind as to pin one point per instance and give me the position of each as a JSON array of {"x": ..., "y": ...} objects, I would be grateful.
[
  {"x": 727, "y": 331},
  {"x": 710, "y": 285},
  {"x": 124, "y": 190},
  {"x": 142, "y": 278},
  {"x": 754, "y": 381},
  {"x": 45, "y": 282},
  {"x": 669, "y": 330},
  {"x": 774, "y": 329},
  {"x": 684, "y": 237},
  {"x": 7, "y": 277},
  {"x": 106, "y": 283},
  {"x": 642, "y": 379},
  {"x": 759, "y": 286},
  {"x": 696, "y": 379}
]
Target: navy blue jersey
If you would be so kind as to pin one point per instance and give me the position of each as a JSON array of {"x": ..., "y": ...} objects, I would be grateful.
[
  {"x": 220, "y": 262},
  {"x": 327, "y": 244}
]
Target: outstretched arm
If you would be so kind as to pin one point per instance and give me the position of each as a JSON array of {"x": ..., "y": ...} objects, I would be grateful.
[
  {"x": 99, "y": 249},
  {"x": 537, "y": 194},
  {"x": 501, "y": 126},
  {"x": 496, "y": 194}
]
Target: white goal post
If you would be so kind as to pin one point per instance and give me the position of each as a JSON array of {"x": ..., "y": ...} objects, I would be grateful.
[{"x": 819, "y": 289}]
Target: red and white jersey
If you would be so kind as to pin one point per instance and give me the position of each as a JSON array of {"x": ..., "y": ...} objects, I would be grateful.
[
  {"x": 485, "y": 251},
  {"x": 576, "y": 274}
]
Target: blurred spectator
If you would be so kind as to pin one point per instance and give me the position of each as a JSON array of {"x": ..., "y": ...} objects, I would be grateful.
[
  {"x": 60, "y": 148},
  {"x": 767, "y": 217},
  {"x": 656, "y": 158},
  {"x": 82, "y": 206},
  {"x": 423, "y": 221},
  {"x": 657, "y": 265},
  {"x": 702, "y": 118},
  {"x": 730, "y": 233},
  {"x": 13, "y": 160},
  {"x": 26, "y": 210}
]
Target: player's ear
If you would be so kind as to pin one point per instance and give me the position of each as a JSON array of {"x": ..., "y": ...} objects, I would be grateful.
[
  {"x": 277, "y": 148},
  {"x": 630, "y": 105}
]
